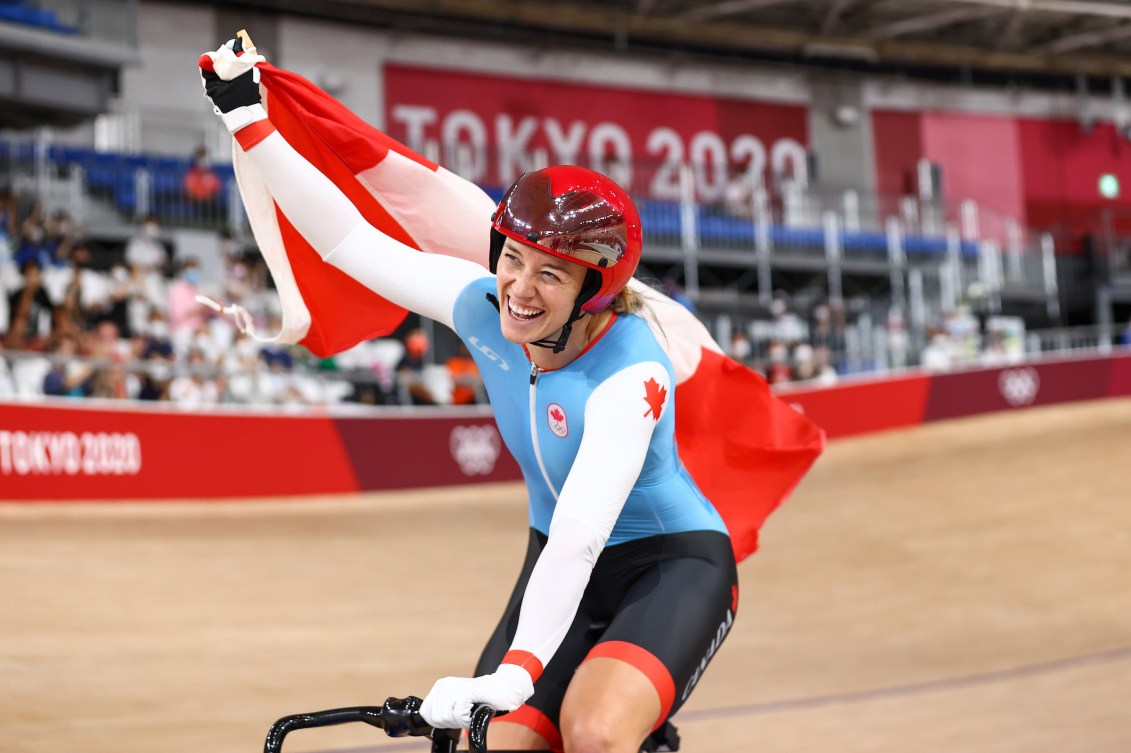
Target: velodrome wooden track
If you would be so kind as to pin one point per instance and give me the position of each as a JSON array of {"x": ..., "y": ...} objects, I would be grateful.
[{"x": 960, "y": 588}]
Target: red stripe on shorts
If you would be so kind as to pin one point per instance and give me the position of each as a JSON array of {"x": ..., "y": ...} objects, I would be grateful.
[
  {"x": 526, "y": 660},
  {"x": 253, "y": 133},
  {"x": 530, "y": 717},
  {"x": 647, "y": 663}
]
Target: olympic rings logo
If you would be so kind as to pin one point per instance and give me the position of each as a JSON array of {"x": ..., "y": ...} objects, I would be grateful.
[
  {"x": 1019, "y": 386},
  {"x": 475, "y": 448}
]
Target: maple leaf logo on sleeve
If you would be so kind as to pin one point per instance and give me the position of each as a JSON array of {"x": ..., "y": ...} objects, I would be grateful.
[
  {"x": 654, "y": 395},
  {"x": 556, "y": 414}
]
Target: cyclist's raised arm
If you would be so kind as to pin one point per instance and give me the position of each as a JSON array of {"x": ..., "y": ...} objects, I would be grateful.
[{"x": 425, "y": 283}]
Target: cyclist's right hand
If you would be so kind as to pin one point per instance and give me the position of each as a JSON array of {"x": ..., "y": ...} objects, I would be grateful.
[{"x": 450, "y": 702}]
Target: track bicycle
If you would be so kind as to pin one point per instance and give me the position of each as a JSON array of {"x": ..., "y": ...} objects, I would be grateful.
[{"x": 399, "y": 717}]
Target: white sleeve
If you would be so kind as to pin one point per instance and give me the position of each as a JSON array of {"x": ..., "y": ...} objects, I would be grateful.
[
  {"x": 618, "y": 429},
  {"x": 425, "y": 283}
]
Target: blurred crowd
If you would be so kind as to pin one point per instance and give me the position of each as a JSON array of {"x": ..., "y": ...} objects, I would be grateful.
[
  {"x": 126, "y": 321},
  {"x": 79, "y": 319}
]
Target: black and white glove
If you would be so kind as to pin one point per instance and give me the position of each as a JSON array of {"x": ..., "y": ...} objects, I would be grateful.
[{"x": 231, "y": 83}]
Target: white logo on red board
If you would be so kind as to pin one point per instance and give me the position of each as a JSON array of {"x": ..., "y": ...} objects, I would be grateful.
[
  {"x": 67, "y": 453},
  {"x": 556, "y": 418},
  {"x": 475, "y": 449},
  {"x": 1019, "y": 386}
]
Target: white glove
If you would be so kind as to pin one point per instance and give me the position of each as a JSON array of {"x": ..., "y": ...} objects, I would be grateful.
[{"x": 448, "y": 704}]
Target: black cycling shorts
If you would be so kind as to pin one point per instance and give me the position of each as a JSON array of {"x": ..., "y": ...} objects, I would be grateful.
[{"x": 664, "y": 604}]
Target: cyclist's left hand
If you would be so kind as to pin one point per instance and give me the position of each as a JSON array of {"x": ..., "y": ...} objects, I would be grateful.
[{"x": 448, "y": 704}]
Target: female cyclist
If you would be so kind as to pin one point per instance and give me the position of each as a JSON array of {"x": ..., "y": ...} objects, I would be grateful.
[{"x": 629, "y": 584}]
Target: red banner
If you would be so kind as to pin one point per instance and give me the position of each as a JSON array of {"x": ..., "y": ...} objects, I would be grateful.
[
  {"x": 491, "y": 129},
  {"x": 864, "y": 407},
  {"x": 1120, "y": 384},
  {"x": 49, "y": 452},
  {"x": 1021, "y": 386},
  {"x": 426, "y": 450}
]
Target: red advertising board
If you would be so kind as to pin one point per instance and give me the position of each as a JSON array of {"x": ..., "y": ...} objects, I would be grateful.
[
  {"x": 864, "y": 407},
  {"x": 57, "y": 452},
  {"x": 428, "y": 449},
  {"x": 1120, "y": 379},
  {"x": 1021, "y": 386},
  {"x": 492, "y": 128}
]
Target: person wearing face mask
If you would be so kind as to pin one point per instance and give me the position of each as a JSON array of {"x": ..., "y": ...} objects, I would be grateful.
[
  {"x": 145, "y": 252},
  {"x": 185, "y": 313}
]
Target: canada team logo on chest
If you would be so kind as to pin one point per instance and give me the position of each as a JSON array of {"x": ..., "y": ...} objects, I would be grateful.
[{"x": 556, "y": 418}]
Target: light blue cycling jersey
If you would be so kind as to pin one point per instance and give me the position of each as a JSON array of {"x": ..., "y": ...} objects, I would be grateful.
[{"x": 541, "y": 414}]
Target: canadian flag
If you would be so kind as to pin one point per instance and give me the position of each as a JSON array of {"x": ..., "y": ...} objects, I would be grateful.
[{"x": 745, "y": 448}]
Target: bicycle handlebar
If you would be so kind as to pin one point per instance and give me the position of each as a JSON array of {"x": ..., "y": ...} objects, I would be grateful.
[{"x": 399, "y": 717}]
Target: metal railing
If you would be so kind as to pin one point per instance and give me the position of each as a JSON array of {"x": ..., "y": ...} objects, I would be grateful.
[{"x": 866, "y": 349}]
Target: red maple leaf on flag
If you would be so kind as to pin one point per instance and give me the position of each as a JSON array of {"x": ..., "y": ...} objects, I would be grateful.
[
  {"x": 654, "y": 395},
  {"x": 556, "y": 414}
]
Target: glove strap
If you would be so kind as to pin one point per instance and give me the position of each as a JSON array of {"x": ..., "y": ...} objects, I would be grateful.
[
  {"x": 243, "y": 116},
  {"x": 526, "y": 660}
]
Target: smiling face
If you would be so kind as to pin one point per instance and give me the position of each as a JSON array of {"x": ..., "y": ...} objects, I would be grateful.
[{"x": 537, "y": 292}]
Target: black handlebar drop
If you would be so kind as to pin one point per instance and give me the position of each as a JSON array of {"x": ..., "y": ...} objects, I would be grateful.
[{"x": 399, "y": 717}]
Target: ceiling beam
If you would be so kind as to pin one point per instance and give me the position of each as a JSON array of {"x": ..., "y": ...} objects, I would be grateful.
[
  {"x": 930, "y": 22},
  {"x": 1010, "y": 31},
  {"x": 1066, "y": 7},
  {"x": 597, "y": 22},
  {"x": 1087, "y": 39},
  {"x": 729, "y": 8},
  {"x": 832, "y": 17}
]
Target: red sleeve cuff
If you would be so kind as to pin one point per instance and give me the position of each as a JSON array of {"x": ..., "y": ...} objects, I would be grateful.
[
  {"x": 253, "y": 133},
  {"x": 527, "y": 661}
]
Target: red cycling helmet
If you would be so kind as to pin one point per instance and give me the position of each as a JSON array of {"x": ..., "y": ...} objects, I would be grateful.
[{"x": 578, "y": 215}]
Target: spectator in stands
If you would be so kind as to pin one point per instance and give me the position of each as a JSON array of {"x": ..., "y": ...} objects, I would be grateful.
[
  {"x": 279, "y": 384},
  {"x": 159, "y": 360},
  {"x": 69, "y": 376},
  {"x": 1124, "y": 339},
  {"x": 788, "y": 326},
  {"x": 105, "y": 345},
  {"x": 242, "y": 363},
  {"x": 824, "y": 375},
  {"x": 60, "y": 236},
  {"x": 201, "y": 183},
  {"x": 7, "y": 225},
  {"x": 804, "y": 362},
  {"x": 410, "y": 370},
  {"x": 84, "y": 296},
  {"x": 196, "y": 387},
  {"x": 938, "y": 354},
  {"x": 110, "y": 297},
  {"x": 779, "y": 370},
  {"x": 467, "y": 385},
  {"x": 741, "y": 349},
  {"x": 33, "y": 243},
  {"x": 827, "y": 333},
  {"x": 30, "y": 310},
  {"x": 145, "y": 252},
  {"x": 186, "y": 315}
]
